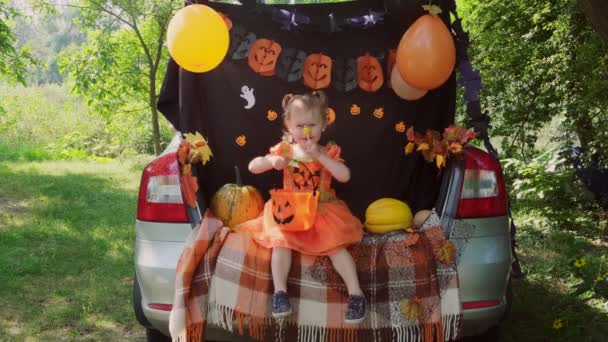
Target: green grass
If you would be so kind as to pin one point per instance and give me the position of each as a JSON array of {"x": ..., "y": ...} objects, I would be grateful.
[
  {"x": 66, "y": 251},
  {"x": 555, "y": 288}
]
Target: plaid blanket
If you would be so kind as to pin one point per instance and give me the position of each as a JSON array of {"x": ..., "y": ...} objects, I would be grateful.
[{"x": 409, "y": 280}]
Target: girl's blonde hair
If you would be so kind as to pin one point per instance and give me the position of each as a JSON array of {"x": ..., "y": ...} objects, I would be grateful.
[{"x": 315, "y": 101}]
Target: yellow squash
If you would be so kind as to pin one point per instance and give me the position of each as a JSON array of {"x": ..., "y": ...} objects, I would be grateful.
[{"x": 387, "y": 215}]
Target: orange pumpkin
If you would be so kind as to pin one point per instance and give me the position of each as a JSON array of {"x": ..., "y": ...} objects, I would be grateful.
[
  {"x": 379, "y": 113},
  {"x": 235, "y": 203},
  {"x": 263, "y": 56},
  {"x": 241, "y": 140},
  {"x": 272, "y": 115},
  {"x": 355, "y": 110},
  {"x": 369, "y": 73},
  {"x": 400, "y": 127},
  {"x": 331, "y": 115},
  {"x": 317, "y": 71},
  {"x": 426, "y": 55}
]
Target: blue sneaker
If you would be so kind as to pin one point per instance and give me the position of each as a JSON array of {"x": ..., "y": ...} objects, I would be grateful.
[
  {"x": 355, "y": 310},
  {"x": 280, "y": 305}
]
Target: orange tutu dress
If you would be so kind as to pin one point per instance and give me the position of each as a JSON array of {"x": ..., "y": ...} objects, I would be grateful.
[{"x": 334, "y": 227}]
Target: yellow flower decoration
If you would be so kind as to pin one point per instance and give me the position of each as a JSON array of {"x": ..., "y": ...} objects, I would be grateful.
[
  {"x": 199, "y": 150},
  {"x": 423, "y": 147},
  {"x": 578, "y": 263},
  {"x": 409, "y": 148},
  {"x": 410, "y": 308},
  {"x": 598, "y": 279},
  {"x": 558, "y": 324},
  {"x": 447, "y": 253},
  {"x": 440, "y": 161}
]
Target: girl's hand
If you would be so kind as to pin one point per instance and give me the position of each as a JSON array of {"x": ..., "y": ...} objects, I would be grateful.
[
  {"x": 312, "y": 149},
  {"x": 278, "y": 163}
]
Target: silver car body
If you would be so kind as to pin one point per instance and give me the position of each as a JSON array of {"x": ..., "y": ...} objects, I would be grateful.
[{"x": 483, "y": 245}]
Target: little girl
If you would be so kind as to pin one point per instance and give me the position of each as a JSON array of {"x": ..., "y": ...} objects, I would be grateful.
[{"x": 307, "y": 166}]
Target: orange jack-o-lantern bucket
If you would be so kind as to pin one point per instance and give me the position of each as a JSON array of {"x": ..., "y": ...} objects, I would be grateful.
[{"x": 294, "y": 211}]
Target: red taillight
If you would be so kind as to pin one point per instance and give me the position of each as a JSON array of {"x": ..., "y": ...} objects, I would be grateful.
[
  {"x": 161, "y": 307},
  {"x": 160, "y": 196},
  {"x": 480, "y": 304},
  {"x": 483, "y": 189}
]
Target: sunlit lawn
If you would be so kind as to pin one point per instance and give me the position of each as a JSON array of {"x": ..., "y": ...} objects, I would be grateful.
[{"x": 66, "y": 251}]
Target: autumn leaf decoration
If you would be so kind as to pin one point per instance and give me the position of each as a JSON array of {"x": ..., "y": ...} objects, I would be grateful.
[
  {"x": 436, "y": 147},
  {"x": 193, "y": 149},
  {"x": 410, "y": 308},
  {"x": 446, "y": 253}
]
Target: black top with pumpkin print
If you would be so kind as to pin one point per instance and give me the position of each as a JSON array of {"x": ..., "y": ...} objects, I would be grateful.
[{"x": 237, "y": 103}]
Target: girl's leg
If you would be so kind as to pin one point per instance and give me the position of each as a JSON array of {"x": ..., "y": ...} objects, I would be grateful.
[
  {"x": 345, "y": 266},
  {"x": 280, "y": 263}
]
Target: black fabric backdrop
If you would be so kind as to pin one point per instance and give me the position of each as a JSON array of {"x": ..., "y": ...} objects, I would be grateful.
[{"x": 211, "y": 104}]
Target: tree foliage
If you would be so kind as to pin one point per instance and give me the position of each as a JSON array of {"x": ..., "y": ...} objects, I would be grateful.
[
  {"x": 47, "y": 36},
  {"x": 13, "y": 61},
  {"x": 540, "y": 59},
  {"x": 118, "y": 71}
]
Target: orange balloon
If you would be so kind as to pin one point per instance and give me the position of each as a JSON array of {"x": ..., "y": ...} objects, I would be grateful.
[
  {"x": 426, "y": 55},
  {"x": 404, "y": 90}
]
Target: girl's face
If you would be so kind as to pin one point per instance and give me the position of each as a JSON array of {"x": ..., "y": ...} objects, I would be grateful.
[{"x": 304, "y": 124}]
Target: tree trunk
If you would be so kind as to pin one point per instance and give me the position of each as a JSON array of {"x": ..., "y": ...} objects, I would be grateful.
[
  {"x": 155, "y": 126},
  {"x": 584, "y": 131},
  {"x": 597, "y": 13}
]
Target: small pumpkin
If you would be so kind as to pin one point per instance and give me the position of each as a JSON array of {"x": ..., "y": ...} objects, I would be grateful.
[
  {"x": 236, "y": 203},
  {"x": 386, "y": 215},
  {"x": 272, "y": 115},
  {"x": 317, "y": 71},
  {"x": 331, "y": 115},
  {"x": 263, "y": 56},
  {"x": 369, "y": 73},
  {"x": 379, "y": 113},
  {"x": 400, "y": 127},
  {"x": 241, "y": 140},
  {"x": 355, "y": 110}
]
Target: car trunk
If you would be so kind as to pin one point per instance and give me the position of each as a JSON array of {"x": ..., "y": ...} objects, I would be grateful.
[{"x": 372, "y": 147}]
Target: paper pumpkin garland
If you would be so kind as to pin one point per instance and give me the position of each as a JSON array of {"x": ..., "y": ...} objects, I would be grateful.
[
  {"x": 317, "y": 71},
  {"x": 263, "y": 56},
  {"x": 331, "y": 115},
  {"x": 344, "y": 74},
  {"x": 267, "y": 57},
  {"x": 291, "y": 65},
  {"x": 369, "y": 73}
]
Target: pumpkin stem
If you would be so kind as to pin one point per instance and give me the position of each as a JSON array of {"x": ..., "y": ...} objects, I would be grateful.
[{"x": 239, "y": 180}]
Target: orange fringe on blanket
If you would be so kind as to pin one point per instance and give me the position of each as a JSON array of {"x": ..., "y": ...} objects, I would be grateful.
[
  {"x": 432, "y": 332},
  {"x": 195, "y": 332}
]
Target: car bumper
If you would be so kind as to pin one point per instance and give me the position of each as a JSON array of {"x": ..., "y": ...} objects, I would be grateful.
[{"x": 483, "y": 272}]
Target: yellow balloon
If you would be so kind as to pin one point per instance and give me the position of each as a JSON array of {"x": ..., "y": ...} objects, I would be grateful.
[{"x": 197, "y": 38}]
